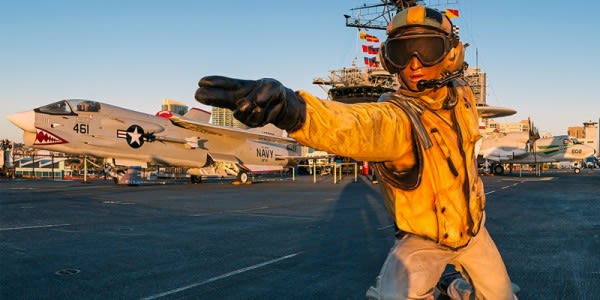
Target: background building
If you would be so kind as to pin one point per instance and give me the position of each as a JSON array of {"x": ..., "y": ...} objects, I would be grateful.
[
  {"x": 590, "y": 130},
  {"x": 587, "y": 134},
  {"x": 224, "y": 117},
  {"x": 477, "y": 80},
  {"x": 521, "y": 126},
  {"x": 495, "y": 126},
  {"x": 174, "y": 106},
  {"x": 576, "y": 132}
]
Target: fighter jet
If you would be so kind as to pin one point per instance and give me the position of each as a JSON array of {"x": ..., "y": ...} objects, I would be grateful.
[
  {"x": 529, "y": 148},
  {"x": 131, "y": 140}
]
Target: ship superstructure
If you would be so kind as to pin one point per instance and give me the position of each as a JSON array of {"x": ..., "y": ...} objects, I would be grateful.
[
  {"x": 355, "y": 84},
  {"x": 366, "y": 83}
]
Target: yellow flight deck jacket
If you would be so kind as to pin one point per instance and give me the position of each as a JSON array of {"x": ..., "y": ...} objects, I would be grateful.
[{"x": 430, "y": 182}]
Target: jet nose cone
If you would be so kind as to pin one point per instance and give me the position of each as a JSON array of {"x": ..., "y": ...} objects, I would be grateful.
[{"x": 24, "y": 120}]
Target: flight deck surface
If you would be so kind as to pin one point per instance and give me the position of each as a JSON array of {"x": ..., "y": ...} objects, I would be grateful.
[{"x": 271, "y": 240}]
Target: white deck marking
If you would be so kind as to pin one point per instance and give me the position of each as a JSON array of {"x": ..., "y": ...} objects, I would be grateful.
[
  {"x": 504, "y": 187},
  {"x": 385, "y": 227},
  {"x": 177, "y": 290},
  {"x": 33, "y": 227}
]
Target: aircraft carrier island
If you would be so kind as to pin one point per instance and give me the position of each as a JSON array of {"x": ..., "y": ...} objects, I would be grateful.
[{"x": 353, "y": 84}]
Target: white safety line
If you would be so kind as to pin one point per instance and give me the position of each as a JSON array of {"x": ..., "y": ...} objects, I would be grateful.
[
  {"x": 250, "y": 209},
  {"x": 281, "y": 216},
  {"x": 193, "y": 285},
  {"x": 32, "y": 227},
  {"x": 503, "y": 188},
  {"x": 385, "y": 227}
]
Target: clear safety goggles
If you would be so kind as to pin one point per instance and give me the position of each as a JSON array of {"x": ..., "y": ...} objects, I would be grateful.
[{"x": 430, "y": 49}]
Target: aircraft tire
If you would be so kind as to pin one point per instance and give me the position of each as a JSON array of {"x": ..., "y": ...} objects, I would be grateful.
[
  {"x": 577, "y": 170},
  {"x": 195, "y": 179},
  {"x": 498, "y": 169},
  {"x": 243, "y": 177}
]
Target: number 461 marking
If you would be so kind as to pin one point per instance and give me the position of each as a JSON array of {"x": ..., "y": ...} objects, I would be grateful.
[{"x": 82, "y": 128}]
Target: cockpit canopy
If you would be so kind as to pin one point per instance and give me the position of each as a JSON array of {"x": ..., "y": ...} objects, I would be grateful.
[
  {"x": 69, "y": 107},
  {"x": 569, "y": 140}
]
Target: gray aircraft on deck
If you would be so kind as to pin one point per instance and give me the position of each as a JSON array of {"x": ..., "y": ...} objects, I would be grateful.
[
  {"x": 129, "y": 139},
  {"x": 529, "y": 148}
]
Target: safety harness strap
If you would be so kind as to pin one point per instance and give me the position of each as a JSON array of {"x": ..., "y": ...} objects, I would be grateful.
[{"x": 410, "y": 179}]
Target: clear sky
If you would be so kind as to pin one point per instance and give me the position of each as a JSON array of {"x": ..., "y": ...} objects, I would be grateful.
[{"x": 541, "y": 58}]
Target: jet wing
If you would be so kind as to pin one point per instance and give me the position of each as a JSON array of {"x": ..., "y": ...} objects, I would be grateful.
[
  {"x": 223, "y": 157},
  {"x": 206, "y": 128}
]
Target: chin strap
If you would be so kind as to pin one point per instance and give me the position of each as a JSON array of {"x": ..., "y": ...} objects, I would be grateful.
[{"x": 438, "y": 83}]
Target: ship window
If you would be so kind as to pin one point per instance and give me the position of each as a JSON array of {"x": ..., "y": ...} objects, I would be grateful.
[{"x": 56, "y": 108}]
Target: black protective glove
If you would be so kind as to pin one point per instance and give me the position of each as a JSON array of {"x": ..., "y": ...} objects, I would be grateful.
[{"x": 254, "y": 102}]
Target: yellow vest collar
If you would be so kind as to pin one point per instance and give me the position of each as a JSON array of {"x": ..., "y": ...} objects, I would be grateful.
[{"x": 434, "y": 100}]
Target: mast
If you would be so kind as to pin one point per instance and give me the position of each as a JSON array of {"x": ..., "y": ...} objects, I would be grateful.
[{"x": 378, "y": 15}]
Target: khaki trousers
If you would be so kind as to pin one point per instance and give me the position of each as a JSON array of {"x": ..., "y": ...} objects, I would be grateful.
[{"x": 414, "y": 266}]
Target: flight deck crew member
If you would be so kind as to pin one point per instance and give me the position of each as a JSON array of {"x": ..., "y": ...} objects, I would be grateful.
[{"x": 422, "y": 139}]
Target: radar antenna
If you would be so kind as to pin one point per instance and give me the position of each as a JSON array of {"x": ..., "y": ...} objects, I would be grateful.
[{"x": 378, "y": 15}]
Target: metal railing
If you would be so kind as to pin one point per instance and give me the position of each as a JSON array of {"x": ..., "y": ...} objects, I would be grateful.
[{"x": 334, "y": 165}]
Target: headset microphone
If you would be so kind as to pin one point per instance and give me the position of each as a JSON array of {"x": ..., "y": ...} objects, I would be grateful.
[
  {"x": 438, "y": 83},
  {"x": 435, "y": 83},
  {"x": 426, "y": 84}
]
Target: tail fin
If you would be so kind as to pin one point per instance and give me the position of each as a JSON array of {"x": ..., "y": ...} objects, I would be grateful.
[
  {"x": 198, "y": 115},
  {"x": 534, "y": 135}
]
